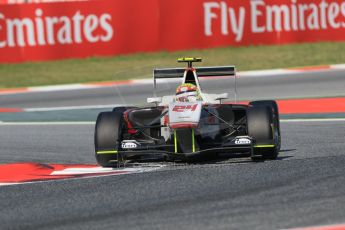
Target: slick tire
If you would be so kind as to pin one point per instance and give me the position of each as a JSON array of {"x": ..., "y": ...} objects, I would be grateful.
[
  {"x": 108, "y": 134},
  {"x": 260, "y": 126},
  {"x": 276, "y": 122}
]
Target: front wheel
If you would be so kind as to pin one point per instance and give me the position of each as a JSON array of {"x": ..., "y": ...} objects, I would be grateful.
[
  {"x": 108, "y": 134},
  {"x": 276, "y": 122},
  {"x": 263, "y": 126}
]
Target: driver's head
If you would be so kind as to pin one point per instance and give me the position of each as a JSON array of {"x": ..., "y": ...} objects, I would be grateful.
[{"x": 187, "y": 92}]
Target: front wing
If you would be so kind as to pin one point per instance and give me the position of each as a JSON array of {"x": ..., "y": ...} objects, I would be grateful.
[{"x": 239, "y": 144}]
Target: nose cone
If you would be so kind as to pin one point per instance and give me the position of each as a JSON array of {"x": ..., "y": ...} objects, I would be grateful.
[{"x": 184, "y": 115}]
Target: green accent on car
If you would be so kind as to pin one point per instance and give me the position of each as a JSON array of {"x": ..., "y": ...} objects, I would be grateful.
[
  {"x": 107, "y": 152},
  {"x": 264, "y": 146},
  {"x": 193, "y": 140},
  {"x": 189, "y": 59},
  {"x": 175, "y": 141}
]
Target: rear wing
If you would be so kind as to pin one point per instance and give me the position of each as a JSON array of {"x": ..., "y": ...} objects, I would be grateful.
[
  {"x": 218, "y": 71},
  {"x": 200, "y": 71}
]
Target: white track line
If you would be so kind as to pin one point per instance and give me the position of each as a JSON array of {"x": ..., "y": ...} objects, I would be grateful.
[
  {"x": 4, "y": 123},
  {"x": 2, "y": 184},
  {"x": 50, "y": 88},
  {"x": 71, "y": 108},
  {"x": 312, "y": 120},
  {"x": 265, "y": 73},
  {"x": 100, "y": 170},
  {"x": 338, "y": 66}
]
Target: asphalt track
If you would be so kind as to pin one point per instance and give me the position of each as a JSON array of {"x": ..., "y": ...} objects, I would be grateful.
[
  {"x": 329, "y": 83},
  {"x": 304, "y": 187}
]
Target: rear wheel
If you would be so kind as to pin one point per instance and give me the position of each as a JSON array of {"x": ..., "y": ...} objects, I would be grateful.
[
  {"x": 108, "y": 134},
  {"x": 263, "y": 126}
]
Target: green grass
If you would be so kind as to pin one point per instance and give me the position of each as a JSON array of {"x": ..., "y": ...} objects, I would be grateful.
[{"x": 141, "y": 65}]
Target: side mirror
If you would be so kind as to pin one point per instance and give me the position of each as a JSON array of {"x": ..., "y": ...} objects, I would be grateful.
[
  {"x": 155, "y": 100},
  {"x": 221, "y": 97}
]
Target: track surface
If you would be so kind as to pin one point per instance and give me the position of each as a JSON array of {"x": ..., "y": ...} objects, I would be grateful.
[
  {"x": 315, "y": 84},
  {"x": 304, "y": 187}
]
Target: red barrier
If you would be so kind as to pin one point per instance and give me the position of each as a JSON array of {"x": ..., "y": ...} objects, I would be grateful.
[
  {"x": 80, "y": 29},
  {"x": 33, "y": 32},
  {"x": 34, "y": 1},
  {"x": 202, "y": 24}
]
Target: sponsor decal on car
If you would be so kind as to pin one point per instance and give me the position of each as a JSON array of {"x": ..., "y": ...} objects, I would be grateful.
[
  {"x": 184, "y": 114},
  {"x": 129, "y": 144},
  {"x": 184, "y": 108},
  {"x": 242, "y": 141}
]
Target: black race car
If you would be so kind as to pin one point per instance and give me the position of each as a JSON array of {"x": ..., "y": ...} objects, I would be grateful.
[{"x": 177, "y": 130}]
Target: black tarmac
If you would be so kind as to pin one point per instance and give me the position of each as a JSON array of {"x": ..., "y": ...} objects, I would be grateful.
[{"x": 304, "y": 187}]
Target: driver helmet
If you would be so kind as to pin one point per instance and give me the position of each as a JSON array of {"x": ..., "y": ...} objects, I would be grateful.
[{"x": 187, "y": 92}]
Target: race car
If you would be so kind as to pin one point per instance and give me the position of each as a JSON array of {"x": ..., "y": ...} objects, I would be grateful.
[{"x": 189, "y": 123}]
